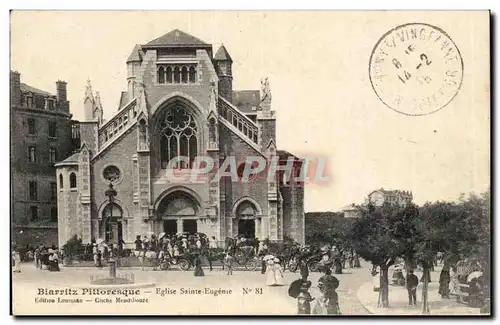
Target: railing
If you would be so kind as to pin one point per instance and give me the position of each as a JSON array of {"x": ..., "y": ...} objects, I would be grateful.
[
  {"x": 117, "y": 124},
  {"x": 243, "y": 123}
]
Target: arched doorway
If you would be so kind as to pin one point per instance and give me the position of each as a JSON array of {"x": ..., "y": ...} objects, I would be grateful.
[
  {"x": 111, "y": 227},
  {"x": 178, "y": 212},
  {"x": 248, "y": 225}
]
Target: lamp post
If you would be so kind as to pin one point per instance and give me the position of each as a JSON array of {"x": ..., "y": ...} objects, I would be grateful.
[{"x": 111, "y": 193}]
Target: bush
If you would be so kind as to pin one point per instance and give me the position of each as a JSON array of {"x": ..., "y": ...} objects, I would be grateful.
[{"x": 73, "y": 248}]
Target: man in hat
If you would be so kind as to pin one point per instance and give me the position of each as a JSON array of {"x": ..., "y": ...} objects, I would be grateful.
[{"x": 411, "y": 286}]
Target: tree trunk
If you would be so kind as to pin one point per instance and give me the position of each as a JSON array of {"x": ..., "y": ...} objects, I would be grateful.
[
  {"x": 384, "y": 288},
  {"x": 425, "y": 289}
]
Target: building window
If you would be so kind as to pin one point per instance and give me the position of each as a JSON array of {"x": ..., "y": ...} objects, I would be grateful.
[
  {"x": 32, "y": 154},
  {"x": 176, "y": 73},
  {"x": 161, "y": 75},
  {"x": 53, "y": 214},
  {"x": 112, "y": 174},
  {"x": 178, "y": 137},
  {"x": 52, "y": 155},
  {"x": 52, "y": 129},
  {"x": 192, "y": 75},
  {"x": 33, "y": 190},
  {"x": 53, "y": 191},
  {"x": 61, "y": 181},
  {"x": 31, "y": 126},
  {"x": 72, "y": 180},
  {"x": 34, "y": 213},
  {"x": 50, "y": 104}
]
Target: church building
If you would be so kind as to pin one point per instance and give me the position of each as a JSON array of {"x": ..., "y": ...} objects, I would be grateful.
[{"x": 179, "y": 102}]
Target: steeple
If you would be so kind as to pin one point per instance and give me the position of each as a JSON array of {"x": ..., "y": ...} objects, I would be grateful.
[
  {"x": 89, "y": 102},
  {"x": 92, "y": 105},
  {"x": 98, "y": 111},
  {"x": 223, "y": 66}
]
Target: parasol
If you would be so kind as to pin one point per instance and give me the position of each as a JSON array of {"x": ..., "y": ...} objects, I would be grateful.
[
  {"x": 294, "y": 289},
  {"x": 474, "y": 275},
  {"x": 161, "y": 235},
  {"x": 268, "y": 257},
  {"x": 100, "y": 241}
]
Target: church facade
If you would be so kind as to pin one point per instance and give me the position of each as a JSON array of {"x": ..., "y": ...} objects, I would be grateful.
[{"x": 180, "y": 102}]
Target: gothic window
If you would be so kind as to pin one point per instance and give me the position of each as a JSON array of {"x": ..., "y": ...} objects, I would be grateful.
[
  {"x": 177, "y": 75},
  {"x": 72, "y": 180},
  {"x": 192, "y": 75},
  {"x": 112, "y": 174},
  {"x": 178, "y": 137},
  {"x": 161, "y": 75},
  {"x": 241, "y": 171},
  {"x": 61, "y": 181},
  {"x": 184, "y": 75},
  {"x": 212, "y": 130},
  {"x": 169, "y": 75}
]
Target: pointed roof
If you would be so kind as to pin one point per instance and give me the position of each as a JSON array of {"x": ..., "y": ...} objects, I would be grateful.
[
  {"x": 176, "y": 38},
  {"x": 136, "y": 55},
  {"x": 222, "y": 54},
  {"x": 71, "y": 160}
]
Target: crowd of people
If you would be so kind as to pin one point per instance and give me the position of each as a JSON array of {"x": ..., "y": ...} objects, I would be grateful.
[{"x": 44, "y": 257}]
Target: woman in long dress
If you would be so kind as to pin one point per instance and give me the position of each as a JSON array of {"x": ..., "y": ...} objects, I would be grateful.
[
  {"x": 278, "y": 275},
  {"x": 454, "y": 283},
  {"x": 273, "y": 272},
  {"x": 17, "y": 261}
]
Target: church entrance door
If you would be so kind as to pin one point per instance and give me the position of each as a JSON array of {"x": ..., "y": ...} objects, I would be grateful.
[
  {"x": 170, "y": 226},
  {"x": 190, "y": 226},
  {"x": 246, "y": 228}
]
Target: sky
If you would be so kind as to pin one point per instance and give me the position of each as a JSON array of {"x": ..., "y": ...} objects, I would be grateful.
[{"x": 317, "y": 65}]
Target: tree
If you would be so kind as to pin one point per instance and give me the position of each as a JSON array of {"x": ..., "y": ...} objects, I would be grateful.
[
  {"x": 458, "y": 230},
  {"x": 379, "y": 236}
]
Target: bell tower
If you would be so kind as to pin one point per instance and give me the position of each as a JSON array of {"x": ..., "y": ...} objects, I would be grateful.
[{"x": 223, "y": 65}]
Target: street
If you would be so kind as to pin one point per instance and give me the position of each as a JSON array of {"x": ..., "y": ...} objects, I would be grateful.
[{"x": 178, "y": 292}]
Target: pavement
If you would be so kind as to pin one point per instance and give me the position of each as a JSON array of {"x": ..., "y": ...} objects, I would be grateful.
[
  {"x": 245, "y": 293},
  {"x": 398, "y": 300}
]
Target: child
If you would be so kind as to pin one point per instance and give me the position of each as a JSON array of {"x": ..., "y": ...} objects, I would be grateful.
[{"x": 228, "y": 261}]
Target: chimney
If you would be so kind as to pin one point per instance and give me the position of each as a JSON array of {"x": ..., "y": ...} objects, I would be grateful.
[
  {"x": 62, "y": 95},
  {"x": 61, "y": 91},
  {"x": 15, "y": 88}
]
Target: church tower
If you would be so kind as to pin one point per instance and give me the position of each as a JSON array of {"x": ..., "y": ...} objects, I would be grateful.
[{"x": 223, "y": 65}]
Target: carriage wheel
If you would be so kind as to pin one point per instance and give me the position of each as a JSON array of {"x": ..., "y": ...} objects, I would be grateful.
[
  {"x": 293, "y": 266},
  {"x": 251, "y": 265},
  {"x": 313, "y": 266},
  {"x": 184, "y": 264}
]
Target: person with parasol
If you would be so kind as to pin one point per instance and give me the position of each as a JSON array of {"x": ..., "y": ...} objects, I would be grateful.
[
  {"x": 299, "y": 289},
  {"x": 327, "y": 303}
]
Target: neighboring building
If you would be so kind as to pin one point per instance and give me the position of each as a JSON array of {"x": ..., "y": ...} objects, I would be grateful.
[
  {"x": 381, "y": 196},
  {"x": 351, "y": 211},
  {"x": 179, "y": 102},
  {"x": 40, "y": 130}
]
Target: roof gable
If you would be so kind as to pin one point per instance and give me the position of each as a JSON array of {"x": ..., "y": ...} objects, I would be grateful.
[
  {"x": 136, "y": 55},
  {"x": 222, "y": 54},
  {"x": 176, "y": 38}
]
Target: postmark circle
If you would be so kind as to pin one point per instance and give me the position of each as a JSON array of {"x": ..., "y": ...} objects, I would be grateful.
[{"x": 416, "y": 69}]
